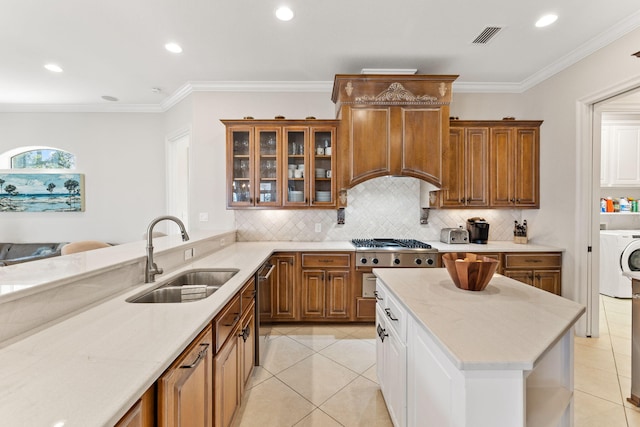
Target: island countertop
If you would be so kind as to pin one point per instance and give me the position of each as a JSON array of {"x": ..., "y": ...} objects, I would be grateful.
[{"x": 508, "y": 325}]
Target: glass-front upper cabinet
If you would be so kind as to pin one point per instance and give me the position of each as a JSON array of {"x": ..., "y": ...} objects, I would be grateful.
[
  {"x": 268, "y": 167},
  {"x": 323, "y": 188},
  {"x": 240, "y": 167},
  {"x": 275, "y": 164},
  {"x": 297, "y": 191}
]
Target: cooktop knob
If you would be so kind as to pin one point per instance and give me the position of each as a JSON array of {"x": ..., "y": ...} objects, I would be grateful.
[
  {"x": 375, "y": 260},
  {"x": 396, "y": 261},
  {"x": 363, "y": 260},
  {"x": 418, "y": 261},
  {"x": 430, "y": 261}
]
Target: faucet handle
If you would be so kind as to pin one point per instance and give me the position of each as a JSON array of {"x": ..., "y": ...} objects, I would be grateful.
[{"x": 157, "y": 269}]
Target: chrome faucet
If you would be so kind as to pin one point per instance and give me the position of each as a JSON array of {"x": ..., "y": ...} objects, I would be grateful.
[{"x": 152, "y": 269}]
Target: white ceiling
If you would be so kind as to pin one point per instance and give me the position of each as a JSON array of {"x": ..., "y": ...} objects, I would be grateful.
[{"x": 116, "y": 47}]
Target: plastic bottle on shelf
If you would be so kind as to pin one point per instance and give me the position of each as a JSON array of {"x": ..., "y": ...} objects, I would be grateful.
[
  {"x": 609, "y": 204},
  {"x": 603, "y": 204},
  {"x": 624, "y": 205},
  {"x": 616, "y": 205}
]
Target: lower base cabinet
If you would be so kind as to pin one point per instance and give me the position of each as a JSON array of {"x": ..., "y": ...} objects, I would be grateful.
[
  {"x": 184, "y": 390},
  {"x": 391, "y": 369},
  {"x": 542, "y": 270},
  {"x": 226, "y": 383},
  {"x": 142, "y": 414}
]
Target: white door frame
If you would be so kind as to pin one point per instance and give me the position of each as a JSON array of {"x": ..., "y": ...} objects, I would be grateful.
[
  {"x": 172, "y": 151},
  {"x": 588, "y": 117}
]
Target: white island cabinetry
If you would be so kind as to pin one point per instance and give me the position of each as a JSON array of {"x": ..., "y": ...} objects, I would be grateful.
[{"x": 500, "y": 357}]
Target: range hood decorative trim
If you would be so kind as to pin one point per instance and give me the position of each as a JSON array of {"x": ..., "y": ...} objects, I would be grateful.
[{"x": 395, "y": 93}]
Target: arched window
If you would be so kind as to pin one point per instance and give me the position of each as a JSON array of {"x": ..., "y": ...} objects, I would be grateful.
[{"x": 37, "y": 158}]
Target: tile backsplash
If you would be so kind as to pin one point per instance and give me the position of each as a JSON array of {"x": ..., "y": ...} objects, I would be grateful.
[{"x": 380, "y": 207}]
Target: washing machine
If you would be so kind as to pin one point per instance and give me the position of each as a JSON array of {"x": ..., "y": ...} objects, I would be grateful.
[{"x": 619, "y": 252}]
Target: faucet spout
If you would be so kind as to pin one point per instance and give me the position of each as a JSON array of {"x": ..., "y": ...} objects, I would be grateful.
[{"x": 151, "y": 268}]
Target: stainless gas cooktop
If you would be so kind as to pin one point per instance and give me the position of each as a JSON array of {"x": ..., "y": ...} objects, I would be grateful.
[{"x": 394, "y": 253}]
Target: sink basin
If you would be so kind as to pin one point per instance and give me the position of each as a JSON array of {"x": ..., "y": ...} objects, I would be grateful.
[{"x": 192, "y": 285}]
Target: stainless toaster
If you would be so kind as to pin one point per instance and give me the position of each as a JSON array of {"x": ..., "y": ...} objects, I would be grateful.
[{"x": 454, "y": 235}]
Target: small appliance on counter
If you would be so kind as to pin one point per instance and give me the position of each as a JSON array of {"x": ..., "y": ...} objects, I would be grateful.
[
  {"x": 454, "y": 235},
  {"x": 478, "y": 230}
]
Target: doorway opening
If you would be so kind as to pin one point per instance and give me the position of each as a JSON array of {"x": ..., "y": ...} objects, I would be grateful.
[
  {"x": 178, "y": 166},
  {"x": 589, "y": 146}
]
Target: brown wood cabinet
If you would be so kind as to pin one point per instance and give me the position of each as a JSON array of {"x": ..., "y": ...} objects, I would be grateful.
[
  {"x": 327, "y": 292},
  {"x": 491, "y": 163},
  {"x": 142, "y": 413},
  {"x": 226, "y": 381},
  {"x": 185, "y": 389},
  {"x": 284, "y": 288},
  {"x": 515, "y": 165},
  {"x": 391, "y": 125},
  {"x": 260, "y": 154},
  {"x": 466, "y": 167},
  {"x": 542, "y": 270}
]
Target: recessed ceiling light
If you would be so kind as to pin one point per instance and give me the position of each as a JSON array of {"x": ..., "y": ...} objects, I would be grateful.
[
  {"x": 546, "y": 20},
  {"x": 109, "y": 98},
  {"x": 284, "y": 13},
  {"x": 53, "y": 68},
  {"x": 173, "y": 47}
]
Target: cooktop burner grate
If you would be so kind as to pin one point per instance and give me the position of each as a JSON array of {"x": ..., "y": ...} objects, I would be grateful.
[{"x": 390, "y": 243}]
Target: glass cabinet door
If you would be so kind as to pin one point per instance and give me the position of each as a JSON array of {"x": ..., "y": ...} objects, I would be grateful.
[
  {"x": 241, "y": 167},
  {"x": 322, "y": 180},
  {"x": 267, "y": 167},
  {"x": 297, "y": 189}
]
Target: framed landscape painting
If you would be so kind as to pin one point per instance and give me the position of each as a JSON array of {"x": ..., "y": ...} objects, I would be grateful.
[{"x": 41, "y": 192}]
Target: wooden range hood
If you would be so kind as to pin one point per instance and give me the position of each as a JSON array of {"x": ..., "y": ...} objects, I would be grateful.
[{"x": 391, "y": 125}]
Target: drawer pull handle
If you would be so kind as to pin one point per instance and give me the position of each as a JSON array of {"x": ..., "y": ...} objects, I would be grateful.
[
  {"x": 533, "y": 260},
  {"x": 390, "y": 315},
  {"x": 375, "y": 293},
  {"x": 201, "y": 354},
  {"x": 245, "y": 334},
  {"x": 381, "y": 333},
  {"x": 235, "y": 320}
]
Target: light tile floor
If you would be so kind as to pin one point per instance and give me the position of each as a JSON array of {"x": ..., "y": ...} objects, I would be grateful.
[
  {"x": 602, "y": 379},
  {"x": 324, "y": 376},
  {"x": 316, "y": 376}
]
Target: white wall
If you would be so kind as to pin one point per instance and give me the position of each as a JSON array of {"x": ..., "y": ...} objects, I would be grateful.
[
  {"x": 122, "y": 157},
  {"x": 208, "y": 142},
  {"x": 556, "y": 100}
]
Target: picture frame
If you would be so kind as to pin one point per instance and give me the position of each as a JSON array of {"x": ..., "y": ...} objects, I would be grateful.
[{"x": 41, "y": 192}]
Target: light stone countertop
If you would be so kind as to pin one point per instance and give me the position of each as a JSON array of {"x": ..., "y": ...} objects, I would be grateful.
[
  {"x": 494, "y": 246},
  {"x": 89, "y": 369},
  {"x": 508, "y": 325}
]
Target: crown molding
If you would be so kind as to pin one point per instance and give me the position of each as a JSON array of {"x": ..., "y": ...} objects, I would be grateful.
[{"x": 603, "y": 39}]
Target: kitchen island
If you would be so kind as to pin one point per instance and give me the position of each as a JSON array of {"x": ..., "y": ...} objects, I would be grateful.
[{"x": 499, "y": 357}]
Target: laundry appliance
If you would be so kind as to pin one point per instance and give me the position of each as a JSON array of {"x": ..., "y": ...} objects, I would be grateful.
[{"x": 619, "y": 253}]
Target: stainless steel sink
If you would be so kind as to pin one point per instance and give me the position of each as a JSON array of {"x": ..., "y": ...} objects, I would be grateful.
[{"x": 192, "y": 285}]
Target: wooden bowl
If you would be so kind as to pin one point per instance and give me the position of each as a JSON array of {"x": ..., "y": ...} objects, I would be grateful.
[{"x": 469, "y": 271}]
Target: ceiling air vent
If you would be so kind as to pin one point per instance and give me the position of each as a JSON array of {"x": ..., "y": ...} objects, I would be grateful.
[{"x": 487, "y": 34}]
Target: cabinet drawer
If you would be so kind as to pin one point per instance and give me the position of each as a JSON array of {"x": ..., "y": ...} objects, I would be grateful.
[
  {"x": 247, "y": 295},
  {"x": 226, "y": 321},
  {"x": 326, "y": 260},
  {"x": 533, "y": 260},
  {"x": 395, "y": 315}
]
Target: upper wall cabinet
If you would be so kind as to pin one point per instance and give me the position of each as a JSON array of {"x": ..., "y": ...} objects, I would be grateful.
[
  {"x": 392, "y": 125},
  {"x": 276, "y": 164},
  {"x": 491, "y": 164},
  {"x": 620, "y": 154}
]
